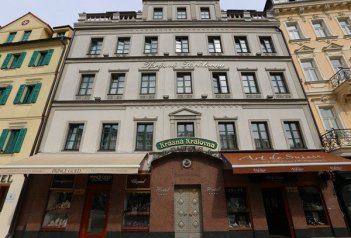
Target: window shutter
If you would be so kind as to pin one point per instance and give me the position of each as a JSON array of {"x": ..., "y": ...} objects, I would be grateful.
[
  {"x": 6, "y": 61},
  {"x": 35, "y": 93},
  {"x": 5, "y": 95},
  {"x": 19, "y": 94},
  {"x": 20, "y": 59},
  {"x": 48, "y": 57},
  {"x": 19, "y": 141},
  {"x": 33, "y": 59},
  {"x": 3, "y": 137}
]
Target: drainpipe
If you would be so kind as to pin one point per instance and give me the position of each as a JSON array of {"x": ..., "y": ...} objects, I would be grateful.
[{"x": 38, "y": 138}]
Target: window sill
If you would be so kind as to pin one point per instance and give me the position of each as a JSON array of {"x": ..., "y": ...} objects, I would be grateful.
[
  {"x": 222, "y": 96},
  {"x": 93, "y": 54},
  {"x": 239, "y": 229},
  {"x": 326, "y": 38},
  {"x": 121, "y": 54},
  {"x": 106, "y": 151},
  {"x": 317, "y": 82},
  {"x": 299, "y": 40},
  {"x": 68, "y": 151}
]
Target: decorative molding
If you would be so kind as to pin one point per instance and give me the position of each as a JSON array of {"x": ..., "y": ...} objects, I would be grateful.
[
  {"x": 145, "y": 119},
  {"x": 332, "y": 47}
]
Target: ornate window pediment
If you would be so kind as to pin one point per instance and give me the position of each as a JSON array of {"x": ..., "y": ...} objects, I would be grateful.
[
  {"x": 332, "y": 47},
  {"x": 304, "y": 50}
]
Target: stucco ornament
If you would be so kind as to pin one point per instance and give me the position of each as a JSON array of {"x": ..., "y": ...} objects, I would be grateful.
[{"x": 186, "y": 163}]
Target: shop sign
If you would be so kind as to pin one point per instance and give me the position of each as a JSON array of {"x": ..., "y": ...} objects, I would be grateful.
[
  {"x": 6, "y": 179},
  {"x": 214, "y": 190},
  {"x": 182, "y": 65},
  {"x": 162, "y": 191},
  {"x": 139, "y": 181},
  {"x": 186, "y": 142},
  {"x": 100, "y": 179}
]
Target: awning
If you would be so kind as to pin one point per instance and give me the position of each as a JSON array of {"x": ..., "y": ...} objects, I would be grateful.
[
  {"x": 281, "y": 162},
  {"x": 76, "y": 163}
]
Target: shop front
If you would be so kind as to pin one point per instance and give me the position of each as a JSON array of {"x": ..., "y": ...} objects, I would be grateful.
[{"x": 343, "y": 186}]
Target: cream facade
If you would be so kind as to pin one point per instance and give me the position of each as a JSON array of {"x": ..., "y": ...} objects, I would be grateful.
[{"x": 31, "y": 55}]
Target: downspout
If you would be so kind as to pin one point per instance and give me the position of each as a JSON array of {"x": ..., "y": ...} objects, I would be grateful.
[{"x": 38, "y": 138}]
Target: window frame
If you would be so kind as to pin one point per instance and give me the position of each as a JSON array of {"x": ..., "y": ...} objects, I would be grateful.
[
  {"x": 237, "y": 41},
  {"x": 335, "y": 117},
  {"x": 179, "y": 40},
  {"x": 301, "y": 134},
  {"x": 182, "y": 75},
  {"x": 208, "y": 11},
  {"x": 213, "y": 39},
  {"x": 181, "y": 15},
  {"x": 268, "y": 132},
  {"x": 65, "y": 148},
  {"x": 114, "y": 146},
  {"x": 235, "y": 141},
  {"x": 347, "y": 19},
  {"x": 148, "y": 88},
  {"x": 342, "y": 60},
  {"x": 145, "y": 123},
  {"x": 153, "y": 13},
  {"x": 258, "y": 91},
  {"x": 26, "y": 35},
  {"x": 262, "y": 43},
  {"x": 112, "y": 75},
  {"x": 216, "y": 82},
  {"x": 314, "y": 67},
  {"x": 185, "y": 124},
  {"x": 11, "y": 36},
  {"x": 152, "y": 50},
  {"x": 4, "y": 190},
  {"x": 283, "y": 79},
  {"x": 298, "y": 30},
  {"x": 323, "y": 27},
  {"x": 124, "y": 50},
  {"x": 97, "y": 51},
  {"x": 89, "y": 75}
]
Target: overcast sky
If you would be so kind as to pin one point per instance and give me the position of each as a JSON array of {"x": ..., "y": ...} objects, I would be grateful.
[{"x": 65, "y": 12}]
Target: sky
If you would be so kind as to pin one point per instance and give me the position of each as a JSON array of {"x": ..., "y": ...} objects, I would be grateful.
[{"x": 65, "y": 12}]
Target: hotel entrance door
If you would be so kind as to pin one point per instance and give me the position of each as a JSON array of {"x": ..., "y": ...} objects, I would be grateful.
[{"x": 187, "y": 212}]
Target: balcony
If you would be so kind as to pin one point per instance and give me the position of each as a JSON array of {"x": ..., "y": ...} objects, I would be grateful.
[
  {"x": 337, "y": 139},
  {"x": 341, "y": 79}
]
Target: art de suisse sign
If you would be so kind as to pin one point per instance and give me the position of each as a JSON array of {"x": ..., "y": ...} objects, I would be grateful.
[{"x": 186, "y": 142}]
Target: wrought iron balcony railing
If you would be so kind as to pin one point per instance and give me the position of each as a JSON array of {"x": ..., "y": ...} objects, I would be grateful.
[
  {"x": 336, "y": 139},
  {"x": 344, "y": 74}
]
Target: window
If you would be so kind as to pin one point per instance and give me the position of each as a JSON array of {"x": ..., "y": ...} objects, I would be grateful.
[
  {"x": 11, "y": 37},
  {"x": 4, "y": 94},
  {"x": 310, "y": 70},
  {"x": 241, "y": 45},
  {"x": 227, "y": 136},
  {"x": 267, "y": 45},
  {"x": 11, "y": 140},
  {"x": 337, "y": 63},
  {"x": 74, "y": 136},
  {"x": 148, "y": 84},
  {"x": 109, "y": 137},
  {"x": 294, "y": 31},
  {"x": 205, "y": 13},
  {"x": 328, "y": 118},
  {"x": 13, "y": 61},
  {"x": 214, "y": 44},
  {"x": 181, "y": 13},
  {"x": 237, "y": 207},
  {"x": 123, "y": 45},
  {"x": 61, "y": 34},
  {"x": 249, "y": 83},
  {"x": 182, "y": 44},
  {"x": 293, "y": 132},
  {"x": 26, "y": 35},
  {"x": 260, "y": 134},
  {"x": 117, "y": 84},
  {"x": 3, "y": 193},
  {"x": 184, "y": 83},
  {"x": 220, "y": 83},
  {"x": 319, "y": 28},
  {"x": 151, "y": 45},
  {"x": 158, "y": 13},
  {"x": 95, "y": 46},
  {"x": 345, "y": 25},
  {"x": 27, "y": 94},
  {"x": 313, "y": 206},
  {"x": 144, "y": 137},
  {"x": 278, "y": 83},
  {"x": 137, "y": 210},
  {"x": 185, "y": 129},
  {"x": 86, "y": 85},
  {"x": 41, "y": 58}
]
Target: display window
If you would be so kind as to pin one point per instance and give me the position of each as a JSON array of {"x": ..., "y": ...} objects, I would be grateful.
[
  {"x": 237, "y": 208},
  {"x": 3, "y": 194},
  {"x": 59, "y": 203},
  {"x": 137, "y": 203},
  {"x": 313, "y": 205}
]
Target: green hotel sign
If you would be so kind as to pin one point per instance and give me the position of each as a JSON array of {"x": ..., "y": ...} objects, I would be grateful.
[{"x": 186, "y": 142}]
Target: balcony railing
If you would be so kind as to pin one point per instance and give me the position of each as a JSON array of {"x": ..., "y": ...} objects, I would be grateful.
[
  {"x": 336, "y": 139},
  {"x": 344, "y": 74}
]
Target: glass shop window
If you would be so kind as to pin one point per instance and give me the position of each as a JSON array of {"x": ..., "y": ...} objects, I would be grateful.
[
  {"x": 313, "y": 206},
  {"x": 137, "y": 210},
  {"x": 237, "y": 208},
  {"x": 59, "y": 203}
]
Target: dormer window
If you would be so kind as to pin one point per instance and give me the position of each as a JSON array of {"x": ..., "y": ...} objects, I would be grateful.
[
  {"x": 181, "y": 13},
  {"x": 158, "y": 14}
]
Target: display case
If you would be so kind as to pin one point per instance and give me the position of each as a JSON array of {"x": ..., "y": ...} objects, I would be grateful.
[
  {"x": 313, "y": 206},
  {"x": 59, "y": 203},
  {"x": 237, "y": 208},
  {"x": 137, "y": 210}
]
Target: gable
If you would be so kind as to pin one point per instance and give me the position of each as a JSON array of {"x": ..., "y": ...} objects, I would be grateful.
[
  {"x": 332, "y": 47},
  {"x": 184, "y": 112},
  {"x": 304, "y": 50}
]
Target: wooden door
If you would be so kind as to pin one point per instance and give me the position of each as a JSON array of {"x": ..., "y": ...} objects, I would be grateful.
[
  {"x": 95, "y": 214},
  {"x": 187, "y": 212}
]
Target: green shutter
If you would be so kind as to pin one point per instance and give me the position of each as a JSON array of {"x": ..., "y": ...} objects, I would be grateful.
[
  {"x": 20, "y": 59},
  {"x": 6, "y": 61},
  {"x": 33, "y": 59},
  {"x": 19, "y": 94},
  {"x": 19, "y": 141},
  {"x": 3, "y": 137},
  {"x": 48, "y": 57},
  {"x": 35, "y": 93},
  {"x": 5, "y": 95}
]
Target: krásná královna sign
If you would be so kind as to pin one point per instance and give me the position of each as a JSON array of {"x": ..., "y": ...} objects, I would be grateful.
[{"x": 186, "y": 142}]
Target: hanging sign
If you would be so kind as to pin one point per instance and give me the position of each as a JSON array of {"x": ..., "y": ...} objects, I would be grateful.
[
  {"x": 138, "y": 181},
  {"x": 186, "y": 142}
]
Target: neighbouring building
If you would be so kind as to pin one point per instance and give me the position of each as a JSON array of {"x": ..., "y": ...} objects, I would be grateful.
[
  {"x": 319, "y": 38},
  {"x": 179, "y": 121},
  {"x": 31, "y": 53}
]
